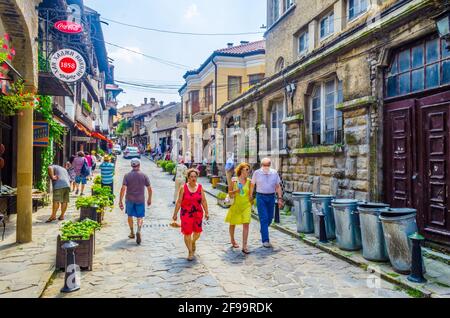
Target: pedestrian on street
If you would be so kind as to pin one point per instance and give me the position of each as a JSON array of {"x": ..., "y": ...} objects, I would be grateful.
[
  {"x": 134, "y": 185},
  {"x": 241, "y": 211},
  {"x": 89, "y": 163},
  {"x": 267, "y": 182},
  {"x": 180, "y": 177},
  {"x": 107, "y": 173},
  {"x": 192, "y": 201},
  {"x": 94, "y": 160},
  {"x": 61, "y": 190},
  {"x": 81, "y": 170},
  {"x": 72, "y": 175},
  {"x": 229, "y": 167}
]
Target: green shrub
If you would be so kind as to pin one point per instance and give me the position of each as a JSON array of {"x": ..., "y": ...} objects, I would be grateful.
[
  {"x": 99, "y": 191},
  {"x": 73, "y": 230},
  {"x": 159, "y": 163},
  {"x": 169, "y": 167},
  {"x": 163, "y": 165},
  {"x": 221, "y": 196},
  {"x": 98, "y": 180}
]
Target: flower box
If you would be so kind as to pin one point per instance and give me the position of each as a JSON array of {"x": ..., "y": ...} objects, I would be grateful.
[
  {"x": 91, "y": 213},
  {"x": 84, "y": 253}
]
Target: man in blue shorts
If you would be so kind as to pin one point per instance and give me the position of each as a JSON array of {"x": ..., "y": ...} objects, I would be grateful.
[{"x": 134, "y": 185}]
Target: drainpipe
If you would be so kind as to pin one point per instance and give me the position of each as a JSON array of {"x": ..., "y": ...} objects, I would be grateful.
[{"x": 214, "y": 167}]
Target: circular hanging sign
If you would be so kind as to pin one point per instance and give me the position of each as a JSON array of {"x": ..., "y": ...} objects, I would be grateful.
[
  {"x": 68, "y": 65},
  {"x": 68, "y": 27}
]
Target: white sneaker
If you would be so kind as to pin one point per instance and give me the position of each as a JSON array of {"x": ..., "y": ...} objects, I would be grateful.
[{"x": 267, "y": 245}]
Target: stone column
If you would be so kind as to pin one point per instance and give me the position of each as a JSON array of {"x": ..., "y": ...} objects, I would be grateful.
[{"x": 25, "y": 177}]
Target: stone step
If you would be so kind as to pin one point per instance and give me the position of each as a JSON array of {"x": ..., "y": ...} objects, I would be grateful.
[{"x": 438, "y": 256}]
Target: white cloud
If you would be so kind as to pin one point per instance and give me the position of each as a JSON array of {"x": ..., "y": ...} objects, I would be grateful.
[
  {"x": 191, "y": 12},
  {"x": 125, "y": 56}
]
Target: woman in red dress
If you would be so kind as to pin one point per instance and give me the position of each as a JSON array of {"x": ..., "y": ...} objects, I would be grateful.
[{"x": 192, "y": 201}]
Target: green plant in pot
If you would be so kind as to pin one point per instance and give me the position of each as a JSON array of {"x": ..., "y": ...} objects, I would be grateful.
[
  {"x": 79, "y": 230},
  {"x": 222, "y": 196},
  {"x": 17, "y": 100},
  {"x": 98, "y": 180}
]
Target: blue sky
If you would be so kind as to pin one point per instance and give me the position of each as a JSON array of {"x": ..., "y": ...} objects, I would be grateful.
[{"x": 197, "y": 16}]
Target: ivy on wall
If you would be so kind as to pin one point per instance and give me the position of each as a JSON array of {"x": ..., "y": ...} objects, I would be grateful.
[{"x": 56, "y": 133}]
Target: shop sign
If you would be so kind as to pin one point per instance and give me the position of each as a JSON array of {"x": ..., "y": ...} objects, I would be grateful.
[
  {"x": 68, "y": 65},
  {"x": 68, "y": 27},
  {"x": 40, "y": 134},
  {"x": 81, "y": 139}
]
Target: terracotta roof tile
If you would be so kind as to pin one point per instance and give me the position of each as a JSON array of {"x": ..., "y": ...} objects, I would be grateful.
[{"x": 244, "y": 48}]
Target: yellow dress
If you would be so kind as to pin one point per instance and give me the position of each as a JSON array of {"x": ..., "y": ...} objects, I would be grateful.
[{"x": 241, "y": 210}]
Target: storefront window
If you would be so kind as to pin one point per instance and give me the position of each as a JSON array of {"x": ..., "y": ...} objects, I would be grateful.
[{"x": 419, "y": 67}]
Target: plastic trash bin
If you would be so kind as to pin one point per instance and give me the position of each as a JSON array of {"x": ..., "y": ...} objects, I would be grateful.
[
  {"x": 372, "y": 236},
  {"x": 322, "y": 204},
  {"x": 303, "y": 207},
  {"x": 348, "y": 232},
  {"x": 398, "y": 225}
]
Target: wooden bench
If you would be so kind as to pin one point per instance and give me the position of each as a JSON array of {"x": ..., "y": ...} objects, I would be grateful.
[{"x": 39, "y": 200}]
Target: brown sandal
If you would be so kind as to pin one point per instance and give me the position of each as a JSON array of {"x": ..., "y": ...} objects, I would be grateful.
[
  {"x": 245, "y": 251},
  {"x": 50, "y": 220}
]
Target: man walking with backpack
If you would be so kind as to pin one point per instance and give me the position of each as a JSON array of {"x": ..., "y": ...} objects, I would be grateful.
[
  {"x": 134, "y": 185},
  {"x": 81, "y": 171}
]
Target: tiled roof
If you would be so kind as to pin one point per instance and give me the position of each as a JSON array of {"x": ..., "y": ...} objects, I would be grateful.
[{"x": 245, "y": 48}]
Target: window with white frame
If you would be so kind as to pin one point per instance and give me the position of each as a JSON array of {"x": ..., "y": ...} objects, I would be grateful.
[
  {"x": 327, "y": 25},
  {"x": 326, "y": 125},
  {"x": 278, "y": 129},
  {"x": 288, "y": 4},
  {"x": 275, "y": 10},
  {"x": 303, "y": 43},
  {"x": 356, "y": 8}
]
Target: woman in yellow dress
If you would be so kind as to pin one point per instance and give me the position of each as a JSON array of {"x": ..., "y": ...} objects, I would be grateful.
[{"x": 241, "y": 210}]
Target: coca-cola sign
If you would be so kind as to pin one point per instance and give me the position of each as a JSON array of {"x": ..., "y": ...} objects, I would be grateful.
[{"x": 68, "y": 27}]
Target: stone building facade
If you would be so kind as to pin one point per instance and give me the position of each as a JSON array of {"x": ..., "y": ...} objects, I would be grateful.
[{"x": 330, "y": 107}]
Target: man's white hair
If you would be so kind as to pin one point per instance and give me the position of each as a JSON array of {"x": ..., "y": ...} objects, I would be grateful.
[{"x": 266, "y": 160}]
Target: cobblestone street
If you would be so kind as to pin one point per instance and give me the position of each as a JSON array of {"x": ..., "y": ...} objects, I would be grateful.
[{"x": 158, "y": 268}]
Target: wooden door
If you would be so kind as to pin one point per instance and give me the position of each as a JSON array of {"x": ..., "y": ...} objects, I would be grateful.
[
  {"x": 399, "y": 153},
  {"x": 417, "y": 161},
  {"x": 434, "y": 134}
]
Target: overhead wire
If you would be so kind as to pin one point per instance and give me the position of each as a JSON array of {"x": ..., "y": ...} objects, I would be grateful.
[{"x": 179, "y": 32}]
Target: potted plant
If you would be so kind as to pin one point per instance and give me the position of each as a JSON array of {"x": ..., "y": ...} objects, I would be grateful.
[
  {"x": 94, "y": 207},
  {"x": 98, "y": 180},
  {"x": 170, "y": 166},
  {"x": 88, "y": 208},
  {"x": 82, "y": 233},
  {"x": 221, "y": 200}
]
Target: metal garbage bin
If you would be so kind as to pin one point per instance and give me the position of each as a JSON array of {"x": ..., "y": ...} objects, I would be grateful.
[
  {"x": 303, "y": 207},
  {"x": 322, "y": 203},
  {"x": 398, "y": 225},
  {"x": 373, "y": 244},
  {"x": 348, "y": 232}
]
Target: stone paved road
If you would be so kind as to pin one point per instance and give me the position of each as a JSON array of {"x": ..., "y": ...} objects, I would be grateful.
[{"x": 158, "y": 267}]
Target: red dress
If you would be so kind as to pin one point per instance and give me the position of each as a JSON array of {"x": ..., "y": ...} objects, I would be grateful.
[{"x": 191, "y": 211}]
